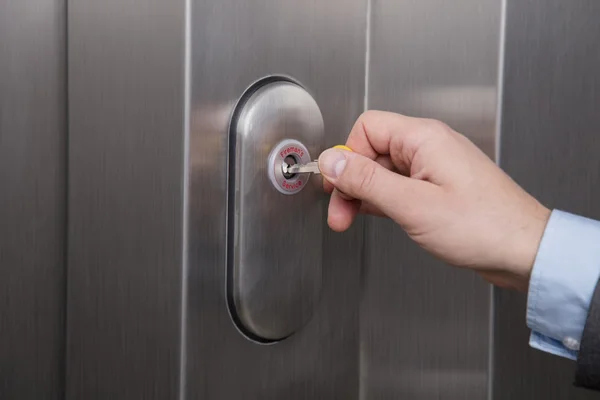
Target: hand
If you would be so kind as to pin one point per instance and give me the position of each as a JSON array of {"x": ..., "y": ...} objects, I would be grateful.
[{"x": 441, "y": 189}]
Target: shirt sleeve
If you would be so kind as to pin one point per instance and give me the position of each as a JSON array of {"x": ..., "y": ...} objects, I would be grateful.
[{"x": 563, "y": 279}]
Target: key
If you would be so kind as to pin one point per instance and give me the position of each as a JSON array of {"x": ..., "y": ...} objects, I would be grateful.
[{"x": 311, "y": 167}]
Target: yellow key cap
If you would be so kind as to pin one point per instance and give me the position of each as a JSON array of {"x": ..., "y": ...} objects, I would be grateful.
[{"x": 342, "y": 147}]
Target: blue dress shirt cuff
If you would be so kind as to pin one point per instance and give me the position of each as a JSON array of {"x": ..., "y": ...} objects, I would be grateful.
[
  {"x": 552, "y": 346},
  {"x": 563, "y": 279}
]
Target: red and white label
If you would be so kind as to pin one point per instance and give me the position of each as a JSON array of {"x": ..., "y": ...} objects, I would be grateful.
[
  {"x": 292, "y": 185},
  {"x": 292, "y": 150}
]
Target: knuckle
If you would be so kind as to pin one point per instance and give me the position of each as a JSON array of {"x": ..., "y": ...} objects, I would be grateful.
[
  {"x": 370, "y": 117},
  {"x": 367, "y": 115},
  {"x": 435, "y": 127},
  {"x": 363, "y": 119}
]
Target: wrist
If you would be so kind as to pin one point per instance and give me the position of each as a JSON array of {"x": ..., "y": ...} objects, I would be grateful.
[{"x": 526, "y": 244}]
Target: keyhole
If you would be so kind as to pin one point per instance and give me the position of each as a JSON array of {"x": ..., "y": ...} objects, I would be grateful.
[{"x": 288, "y": 161}]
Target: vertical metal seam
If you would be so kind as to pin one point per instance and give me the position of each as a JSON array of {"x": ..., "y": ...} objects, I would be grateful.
[
  {"x": 500, "y": 82},
  {"x": 65, "y": 233},
  {"x": 367, "y": 55},
  {"x": 497, "y": 149},
  {"x": 362, "y": 390},
  {"x": 185, "y": 197}
]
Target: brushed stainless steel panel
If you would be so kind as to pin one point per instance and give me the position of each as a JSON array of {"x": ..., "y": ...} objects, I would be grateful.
[
  {"x": 233, "y": 43},
  {"x": 550, "y": 145},
  {"x": 425, "y": 326},
  {"x": 126, "y": 156},
  {"x": 32, "y": 198},
  {"x": 275, "y": 236}
]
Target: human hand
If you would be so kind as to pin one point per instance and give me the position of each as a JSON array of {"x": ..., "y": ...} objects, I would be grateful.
[{"x": 441, "y": 189}]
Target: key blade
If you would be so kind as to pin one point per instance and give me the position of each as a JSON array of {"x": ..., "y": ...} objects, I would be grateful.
[{"x": 311, "y": 167}]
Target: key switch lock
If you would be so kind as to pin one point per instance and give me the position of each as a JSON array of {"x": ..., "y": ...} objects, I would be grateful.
[
  {"x": 288, "y": 152},
  {"x": 273, "y": 271}
]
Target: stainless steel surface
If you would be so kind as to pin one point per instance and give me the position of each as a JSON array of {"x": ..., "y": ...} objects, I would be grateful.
[
  {"x": 126, "y": 163},
  {"x": 233, "y": 42},
  {"x": 275, "y": 233},
  {"x": 32, "y": 198},
  {"x": 550, "y": 146},
  {"x": 425, "y": 326},
  {"x": 152, "y": 87}
]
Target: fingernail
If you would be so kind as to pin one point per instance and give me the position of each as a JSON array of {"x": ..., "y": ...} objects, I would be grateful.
[{"x": 332, "y": 163}]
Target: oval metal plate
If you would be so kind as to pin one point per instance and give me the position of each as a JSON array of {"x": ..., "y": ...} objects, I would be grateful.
[{"x": 275, "y": 238}]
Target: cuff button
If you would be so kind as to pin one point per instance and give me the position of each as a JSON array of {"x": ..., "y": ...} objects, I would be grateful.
[{"x": 571, "y": 343}]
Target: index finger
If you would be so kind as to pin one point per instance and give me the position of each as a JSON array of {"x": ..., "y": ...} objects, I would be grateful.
[{"x": 373, "y": 131}]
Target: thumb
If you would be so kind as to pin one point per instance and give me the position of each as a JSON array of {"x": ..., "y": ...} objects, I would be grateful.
[{"x": 362, "y": 178}]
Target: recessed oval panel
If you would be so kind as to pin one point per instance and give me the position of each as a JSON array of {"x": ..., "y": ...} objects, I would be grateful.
[{"x": 275, "y": 219}]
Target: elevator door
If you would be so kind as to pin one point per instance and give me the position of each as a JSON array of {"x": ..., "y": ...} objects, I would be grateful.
[
  {"x": 152, "y": 89},
  {"x": 153, "y": 247}
]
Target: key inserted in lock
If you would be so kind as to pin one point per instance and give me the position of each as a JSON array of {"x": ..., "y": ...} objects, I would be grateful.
[
  {"x": 286, "y": 152},
  {"x": 275, "y": 218},
  {"x": 312, "y": 167},
  {"x": 288, "y": 162}
]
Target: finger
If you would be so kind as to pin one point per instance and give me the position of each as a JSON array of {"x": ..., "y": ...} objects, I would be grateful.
[
  {"x": 380, "y": 132},
  {"x": 341, "y": 212},
  {"x": 373, "y": 130},
  {"x": 361, "y": 178},
  {"x": 343, "y": 195},
  {"x": 327, "y": 186},
  {"x": 384, "y": 161}
]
